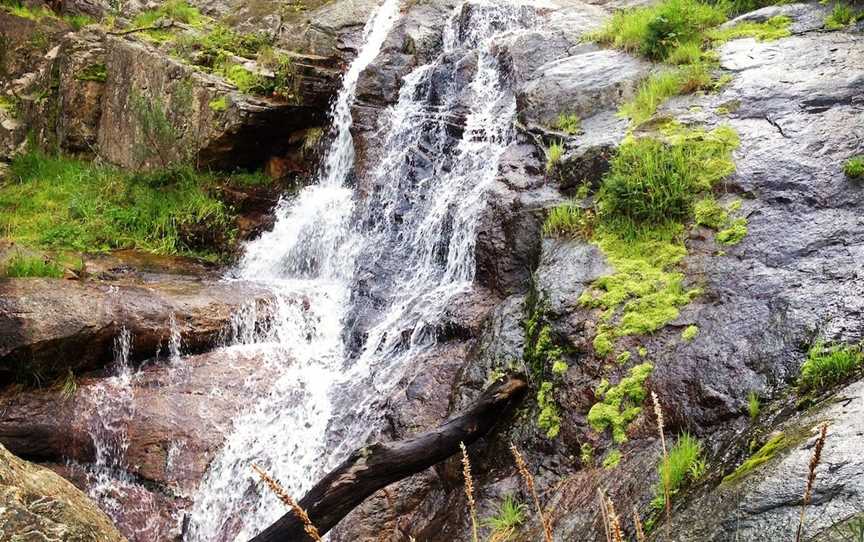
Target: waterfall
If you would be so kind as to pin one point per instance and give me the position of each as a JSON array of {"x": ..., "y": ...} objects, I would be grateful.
[{"x": 414, "y": 235}]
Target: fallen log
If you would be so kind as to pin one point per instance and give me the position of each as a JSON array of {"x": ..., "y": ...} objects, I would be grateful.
[{"x": 378, "y": 465}]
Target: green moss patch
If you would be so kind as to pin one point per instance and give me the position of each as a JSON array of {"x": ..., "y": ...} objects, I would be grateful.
[
  {"x": 620, "y": 404},
  {"x": 854, "y": 167},
  {"x": 762, "y": 456},
  {"x": 94, "y": 72},
  {"x": 612, "y": 459},
  {"x": 770, "y": 30}
]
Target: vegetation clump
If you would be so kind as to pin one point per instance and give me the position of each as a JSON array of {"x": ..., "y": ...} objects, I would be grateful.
[
  {"x": 689, "y": 333},
  {"x": 621, "y": 404},
  {"x": 734, "y": 233},
  {"x": 19, "y": 9},
  {"x": 553, "y": 155},
  {"x": 772, "y": 29},
  {"x": 20, "y": 266},
  {"x": 54, "y": 201},
  {"x": 545, "y": 360},
  {"x": 612, "y": 459},
  {"x": 94, "y": 72},
  {"x": 569, "y": 124},
  {"x": 754, "y": 406},
  {"x": 762, "y": 456},
  {"x": 842, "y": 16},
  {"x": 829, "y": 365},
  {"x": 854, "y": 167},
  {"x": 683, "y": 462},
  {"x": 218, "y": 105},
  {"x": 511, "y": 514}
]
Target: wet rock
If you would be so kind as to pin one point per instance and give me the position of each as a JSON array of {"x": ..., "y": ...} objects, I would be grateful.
[
  {"x": 164, "y": 424},
  {"x": 40, "y": 505},
  {"x": 52, "y": 326},
  {"x": 566, "y": 269}
]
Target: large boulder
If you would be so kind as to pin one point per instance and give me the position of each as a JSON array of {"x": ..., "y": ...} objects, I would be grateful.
[
  {"x": 51, "y": 326},
  {"x": 37, "y": 504}
]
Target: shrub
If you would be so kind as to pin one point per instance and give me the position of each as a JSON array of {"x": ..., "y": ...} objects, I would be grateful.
[
  {"x": 829, "y": 365},
  {"x": 683, "y": 462},
  {"x": 20, "y": 266},
  {"x": 507, "y": 519},
  {"x": 753, "y": 405},
  {"x": 621, "y": 404},
  {"x": 854, "y": 167}
]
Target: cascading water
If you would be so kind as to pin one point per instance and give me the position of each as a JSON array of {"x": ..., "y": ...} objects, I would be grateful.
[{"x": 418, "y": 224}]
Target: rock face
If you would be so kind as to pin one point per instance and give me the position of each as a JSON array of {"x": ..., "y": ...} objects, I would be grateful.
[
  {"x": 50, "y": 326},
  {"x": 37, "y": 504}
]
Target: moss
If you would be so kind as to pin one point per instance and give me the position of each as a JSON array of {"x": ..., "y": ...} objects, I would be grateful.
[
  {"x": 854, "y": 167},
  {"x": 586, "y": 455},
  {"x": 621, "y": 403},
  {"x": 622, "y": 358},
  {"x": 762, "y": 456},
  {"x": 549, "y": 419},
  {"x": 612, "y": 459},
  {"x": 602, "y": 344},
  {"x": 733, "y": 234},
  {"x": 689, "y": 333},
  {"x": 569, "y": 124},
  {"x": 707, "y": 212},
  {"x": 770, "y": 30},
  {"x": 94, "y": 72},
  {"x": 219, "y": 104}
]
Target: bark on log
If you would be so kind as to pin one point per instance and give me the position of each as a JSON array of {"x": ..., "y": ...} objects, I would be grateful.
[{"x": 376, "y": 466}]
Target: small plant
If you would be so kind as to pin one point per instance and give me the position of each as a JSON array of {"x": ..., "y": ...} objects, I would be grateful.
[
  {"x": 569, "y": 124},
  {"x": 469, "y": 491},
  {"x": 553, "y": 155},
  {"x": 829, "y": 365},
  {"x": 854, "y": 167},
  {"x": 67, "y": 385},
  {"x": 568, "y": 220},
  {"x": 19, "y": 266},
  {"x": 507, "y": 519},
  {"x": 689, "y": 333},
  {"x": 94, "y": 72},
  {"x": 621, "y": 403},
  {"x": 529, "y": 483},
  {"x": 811, "y": 478},
  {"x": 549, "y": 419},
  {"x": 841, "y": 16},
  {"x": 219, "y": 104},
  {"x": 733, "y": 235},
  {"x": 686, "y": 53},
  {"x": 586, "y": 455},
  {"x": 612, "y": 459},
  {"x": 754, "y": 406},
  {"x": 683, "y": 462}
]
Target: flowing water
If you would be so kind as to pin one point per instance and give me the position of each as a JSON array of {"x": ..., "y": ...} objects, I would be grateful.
[
  {"x": 438, "y": 155},
  {"x": 383, "y": 269}
]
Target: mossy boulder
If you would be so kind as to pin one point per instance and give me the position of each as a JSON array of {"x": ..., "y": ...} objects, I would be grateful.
[{"x": 37, "y": 504}]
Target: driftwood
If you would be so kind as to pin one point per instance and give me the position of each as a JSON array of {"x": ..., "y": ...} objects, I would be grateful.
[{"x": 375, "y": 466}]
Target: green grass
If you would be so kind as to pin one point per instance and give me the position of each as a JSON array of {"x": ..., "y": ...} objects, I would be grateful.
[
  {"x": 94, "y": 72},
  {"x": 762, "y": 456},
  {"x": 707, "y": 212},
  {"x": 734, "y": 233},
  {"x": 511, "y": 514},
  {"x": 773, "y": 29},
  {"x": 60, "y": 202},
  {"x": 20, "y": 266},
  {"x": 854, "y": 167},
  {"x": 553, "y": 155},
  {"x": 754, "y": 406},
  {"x": 567, "y": 220},
  {"x": 176, "y": 10},
  {"x": 620, "y": 404},
  {"x": 16, "y": 8},
  {"x": 569, "y": 124},
  {"x": 829, "y": 365},
  {"x": 842, "y": 16},
  {"x": 683, "y": 463},
  {"x": 654, "y": 31},
  {"x": 659, "y": 87},
  {"x": 686, "y": 53},
  {"x": 219, "y": 104},
  {"x": 586, "y": 455}
]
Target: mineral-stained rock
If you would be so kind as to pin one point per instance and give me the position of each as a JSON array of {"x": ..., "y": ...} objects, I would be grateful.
[
  {"x": 50, "y": 326},
  {"x": 37, "y": 504}
]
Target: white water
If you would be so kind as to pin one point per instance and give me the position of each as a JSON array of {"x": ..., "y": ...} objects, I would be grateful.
[{"x": 419, "y": 225}]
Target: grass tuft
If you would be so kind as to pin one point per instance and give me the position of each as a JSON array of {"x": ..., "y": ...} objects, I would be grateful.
[
  {"x": 842, "y": 16},
  {"x": 773, "y": 29},
  {"x": 509, "y": 516},
  {"x": 829, "y": 365},
  {"x": 20, "y": 266},
  {"x": 754, "y": 406},
  {"x": 569, "y": 124},
  {"x": 553, "y": 155},
  {"x": 684, "y": 462}
]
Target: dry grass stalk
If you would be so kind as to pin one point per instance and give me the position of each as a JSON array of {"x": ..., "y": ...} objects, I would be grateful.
[
  {"x": 614, "y": 522},
  {"x": 529, "y": 482},
  {"x": 604, "y": 514},
  {"x": 637, "y": 523},
  {"x": 664, "y": 472},
  {"x": 811, "y": 478},
  {"x": 469, "y": 491},
  {"x": 292, "y": 504}
]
